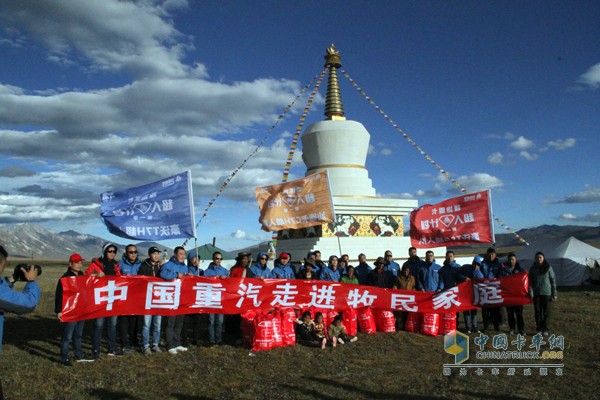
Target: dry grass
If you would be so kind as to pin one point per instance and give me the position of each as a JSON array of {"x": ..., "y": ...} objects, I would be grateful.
[{"x": 381, "y": 366}]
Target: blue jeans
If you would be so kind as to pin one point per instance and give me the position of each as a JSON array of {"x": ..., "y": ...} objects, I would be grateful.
[
  {"x": 112, "y": 334},
  {"x": 470, "y": 319},
  {"x": 72, "y": 331},
  {"x": 215, "y": 328},
  {"x": 155, "y": 321}
]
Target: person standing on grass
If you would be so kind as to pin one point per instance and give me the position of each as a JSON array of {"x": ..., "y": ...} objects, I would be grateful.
[
  {"x": 128, "y": 324},
  {"x": 331, "y": 273},
  {"x": 429, "y": 275},
  {"x": 260, "y": 269},
  {"x": 472, "y": 271},
  {"x": 378, "y": 276},
  {"x": 490, "y": 267},
  {"x": 151, "y": 267},
  {"x": 215, "y": 321},
  {"x": 542, "y": 289},
  {"x": 101, "y": 267},
  {"x": 350, "y": 276},
  {"x": 414, "y": 262},
  {"x": 512, "y": 267},
  {"x": 282, "y": 269},
  {"x": 193, "y": 320},
  {"x": 363, "y": 269},
  {"x": 175, "y": 269},
  {"x": 404, "y": 281},
  {"x": 13, "y": 301},
  {"x": 392, "y": 268},
  {"x": 241, "y": 269},
  {"x": 72, "y": 331}
]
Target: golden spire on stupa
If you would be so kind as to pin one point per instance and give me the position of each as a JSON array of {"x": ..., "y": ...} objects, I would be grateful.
[{"x": 334, "y": 109}]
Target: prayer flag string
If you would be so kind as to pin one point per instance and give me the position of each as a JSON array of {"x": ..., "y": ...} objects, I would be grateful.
[
  {"x": 256, "y": 149},
  {"x": 421, "y": 151}
]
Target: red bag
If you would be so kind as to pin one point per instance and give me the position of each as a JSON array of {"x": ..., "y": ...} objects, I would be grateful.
[
  {"x": 277, "y": 331},
  {"x": 385, "y": 321},
  {"x": 448, "y": 323},
  {"x": 263, "y": 332},
  {"x": 431, "y": 324},
  {"x": 248, "y": 327},
  {"x": 366, "y": 321},
  {"x": 350, "y": 321},
  {"x": 414, "y": 322},
  {"x": 288, "y": 318}
]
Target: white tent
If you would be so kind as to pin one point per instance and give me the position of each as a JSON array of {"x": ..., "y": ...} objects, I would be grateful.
[{"x": 572, "y": 260}]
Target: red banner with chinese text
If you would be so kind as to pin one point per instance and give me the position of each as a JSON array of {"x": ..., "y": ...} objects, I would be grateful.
[
  {"x": 458, "y": 221},
  {"x": 86, "y": 297},
  {"x": 297, "y": 204}
]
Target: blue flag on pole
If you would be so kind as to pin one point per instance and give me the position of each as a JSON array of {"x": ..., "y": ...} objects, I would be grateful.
[{"x": 158, "y": 211}]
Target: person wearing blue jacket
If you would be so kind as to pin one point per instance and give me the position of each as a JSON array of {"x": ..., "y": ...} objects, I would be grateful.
[
  {"x": 450, "y": 273},
  {"x": 472, "y": 271},
  {"x": 282, "y": 269},
  {"x": 392, "y": 269},
  {"x": 260, "y": 269},
  {"x": 13, "y": 301},
  {"x": 363, "y": 269},
  {"x": 193, "y": 320},
  {"x": 429, "y": 274},
  {"x": 490, "y": 268},
  {"x": 175, "y": 269},
  {"x": 129, "y": 325},
  {"x": 331, "y": 272},
  {"x": 512, "y": 267},
  {"x": 215, "y": 321}
]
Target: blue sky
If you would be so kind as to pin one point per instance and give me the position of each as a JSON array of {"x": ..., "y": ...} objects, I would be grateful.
[{"x": 107, "y": 95}]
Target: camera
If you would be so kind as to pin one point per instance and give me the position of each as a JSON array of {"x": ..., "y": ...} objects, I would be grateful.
[{"x": 18, "y": 274}]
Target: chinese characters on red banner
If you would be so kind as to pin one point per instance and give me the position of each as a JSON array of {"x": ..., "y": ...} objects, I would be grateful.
[
  {"x": 87, "y": 297},
  {"x": 458, "y": 221}
]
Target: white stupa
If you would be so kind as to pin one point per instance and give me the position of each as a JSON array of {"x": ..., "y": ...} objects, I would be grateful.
[{"x": 364, "y": 223}]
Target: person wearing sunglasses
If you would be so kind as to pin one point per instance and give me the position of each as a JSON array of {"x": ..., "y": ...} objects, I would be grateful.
[
  {"x": 215, "y": 321},
  {"x": 129, "y": 325},
  {"x": 106, "y": 265},
  {"x": 260, "y": 269}
]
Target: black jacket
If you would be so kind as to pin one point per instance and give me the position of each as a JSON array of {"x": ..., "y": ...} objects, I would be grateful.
[
  {"x": 59, "y": 290},
  {"x": 148, "y": 269}
]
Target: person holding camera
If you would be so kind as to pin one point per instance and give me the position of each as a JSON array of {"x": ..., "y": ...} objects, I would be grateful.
[
  {"x": 12, "y": 300},
  {"x": 72, "y": 330}
]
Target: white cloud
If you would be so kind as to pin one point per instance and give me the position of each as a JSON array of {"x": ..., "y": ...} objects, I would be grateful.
[
  {"x": 591, "y": 78},
  {"x": 568, "y": 216},
  {"x": 239, "y": 234},
  {"x": 371, "y": 149},
  {"x": 561, "y": 144},
  {"x": 139, "y": 38},
  {"x": 386, "y": 152},
  {"x": 495, "y": 158},
  {"x": 591, "y": 217},
  {"x": 522, "y": 143},
  {"x": 505, "y": 136},
  {"x": 479, "y": 181},
  {"x": 408, "y": 196},
  {"x": 528, "y": 156},
  {"x": 591, "y": 194}
]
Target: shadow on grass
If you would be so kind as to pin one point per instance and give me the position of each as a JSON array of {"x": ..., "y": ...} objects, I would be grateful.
[
  {"x": 351, "y": 389},
  {"x": 104, "y": 394},
  {"x": 22, "y": 332},
  {"x": 479, "y": 395}
]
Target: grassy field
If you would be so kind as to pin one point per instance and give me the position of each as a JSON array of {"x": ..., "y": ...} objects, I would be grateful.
[{"x": 381, "y": 366}]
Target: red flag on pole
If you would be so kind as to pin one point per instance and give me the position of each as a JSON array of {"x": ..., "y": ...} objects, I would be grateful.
[{"x": 458, "y": 221}]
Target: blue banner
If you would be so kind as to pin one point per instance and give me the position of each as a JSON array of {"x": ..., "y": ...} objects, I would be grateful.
[{"x": 158, "y": 211}]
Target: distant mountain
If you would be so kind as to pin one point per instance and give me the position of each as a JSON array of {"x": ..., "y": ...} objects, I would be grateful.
[
  {"x": 588, "y": 234},
  {"x": 30, "y": 240}
]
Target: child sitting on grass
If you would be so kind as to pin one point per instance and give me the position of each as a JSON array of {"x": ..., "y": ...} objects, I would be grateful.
[
  {"x": 337, "y": 332},
  {"x": 320, "y": 330},
  {"x": 305, "y": 332}
]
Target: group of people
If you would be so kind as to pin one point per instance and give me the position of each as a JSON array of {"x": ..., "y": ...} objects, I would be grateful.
[{"x": 415, "y": 274}]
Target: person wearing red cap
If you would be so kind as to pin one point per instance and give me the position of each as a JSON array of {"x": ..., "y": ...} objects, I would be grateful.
[
  {"x": 282, "y": 269},
  {"x": 73, "y": 331}
]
